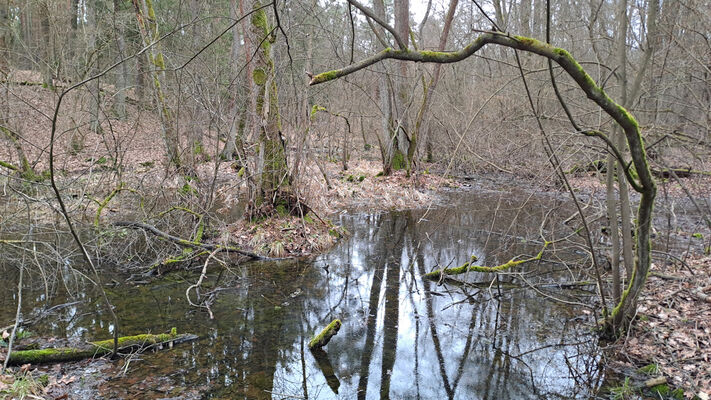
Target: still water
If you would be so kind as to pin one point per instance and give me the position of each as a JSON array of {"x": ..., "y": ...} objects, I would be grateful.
[{"x": 403, "y": 337}]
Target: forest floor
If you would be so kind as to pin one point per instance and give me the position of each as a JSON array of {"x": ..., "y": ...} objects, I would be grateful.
[{"x": 671, "y": 334}]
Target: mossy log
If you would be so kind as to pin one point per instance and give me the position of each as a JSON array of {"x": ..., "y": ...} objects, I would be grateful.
[
  {"x": 97, "y": 349},
  {"x": 326, "y": 334}
]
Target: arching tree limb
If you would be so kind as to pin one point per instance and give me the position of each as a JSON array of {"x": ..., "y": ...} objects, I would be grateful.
[{"x": 644, "y": 184}]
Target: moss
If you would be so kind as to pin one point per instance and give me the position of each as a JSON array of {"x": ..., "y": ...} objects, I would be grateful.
[
  {"x": 651, "y": 369},
  {"x": 436, "y": 56},
  {"x": 159, "y": 61},
  {"x": 259, "y": 19},
  {"x": 281, "y": 210},
  {"x": 325, "y": 77},
  {"x": 151, "y": 12},
  {"x": 326, "y": 334},
  {"x": 8, "y": 165},
  {"x": 315, "y": 109},
  {"x": 43, "y": 380},
  {"x": 259, "y": 77},
  {"x": 398, "y": 161},
  {"x": 188, "y": 190}
]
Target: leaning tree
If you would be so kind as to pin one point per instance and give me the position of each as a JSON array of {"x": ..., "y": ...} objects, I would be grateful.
[{"x": 636, "y": 171}]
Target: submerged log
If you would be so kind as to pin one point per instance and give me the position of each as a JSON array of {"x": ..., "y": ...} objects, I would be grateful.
[
  {"x": 326, "y": 334},
  {"x": 98, "y": 349}
]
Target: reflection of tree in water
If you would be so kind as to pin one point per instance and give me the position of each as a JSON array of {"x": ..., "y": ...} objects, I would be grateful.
[
  {"x": 389, "y": 238},
  {"x": 402, "y": 337},
  {"x": 271, "y": 316}
]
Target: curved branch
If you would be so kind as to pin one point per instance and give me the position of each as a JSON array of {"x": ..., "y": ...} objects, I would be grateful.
[
  {"x": 560, "y": 56},
  {"x": 645, "y": 182},
  {"x": 370, "y": 14}
]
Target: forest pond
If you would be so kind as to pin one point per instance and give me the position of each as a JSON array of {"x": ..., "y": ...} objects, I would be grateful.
[{"x": 523, "y": 335}]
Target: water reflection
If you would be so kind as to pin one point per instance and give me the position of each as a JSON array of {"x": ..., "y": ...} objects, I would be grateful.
[{"x": 402, "y": 336}]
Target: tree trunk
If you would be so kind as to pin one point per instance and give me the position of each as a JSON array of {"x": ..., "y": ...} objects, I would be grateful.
[
  {"x": 429, "y": 91},
  {"x": 46, "y": 46},
  {"x": 238, "y": 109},
  {"x": 148, "y": 27},
  {"x": 401, "y": 140},
  {"x": 122, "y": 77},
  {"x": 384, "y": 92},
  {"x": 274, "y": 176},
  {"x": 93, "y": 68},
  {"x": 4, "y": 40}
]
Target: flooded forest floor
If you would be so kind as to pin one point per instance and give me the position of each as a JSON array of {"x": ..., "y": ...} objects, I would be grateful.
[{"x": 672, "y": 330}]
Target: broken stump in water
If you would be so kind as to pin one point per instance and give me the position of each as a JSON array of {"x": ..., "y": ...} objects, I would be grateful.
[{"x": 326, "y": 334}]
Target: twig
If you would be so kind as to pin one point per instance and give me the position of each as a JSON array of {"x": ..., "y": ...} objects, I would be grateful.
[
  {"x": 17, "y": 321},
  {"x": 183, "y": 242}
]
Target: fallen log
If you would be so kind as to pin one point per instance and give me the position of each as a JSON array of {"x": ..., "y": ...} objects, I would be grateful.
[
  {"x": 326, "y": 334},
  {"x": 98, "y": 349}
]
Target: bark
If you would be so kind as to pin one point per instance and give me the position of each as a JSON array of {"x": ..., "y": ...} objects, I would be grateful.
[
  {"x": 148, "y": 27},
  {"x": 237, "y": 112},
  {"x": 122, "y": 77},
  {"x": 384, "y": 91},
  {"x": 400, "y": 140},
  {"x": 613, "y": 227},
  {"x": 4, "y": 40},
  {"x": 274, "y": 175},
  {"x": 525, "y": 17},
  {"x": 46, "y": 46},
  {"x": 93, "y": 59},
  {"x": 429, "y": 91},
  {"x": 98, "y": 349}
]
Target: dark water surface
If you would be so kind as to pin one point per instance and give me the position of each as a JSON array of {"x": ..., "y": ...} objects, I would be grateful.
[{"x": 402, "y": 337}]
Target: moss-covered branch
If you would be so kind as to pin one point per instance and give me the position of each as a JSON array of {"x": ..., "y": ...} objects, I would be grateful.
[
  {"x": 97, "y": 349},
  {"x": 326, "y": 334},
  {"x": 8, "y": 165},
  {"x": 105, "y": 202},
  {"x": 643, "y": 182},
  {"x": 469, "y": 266}
]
